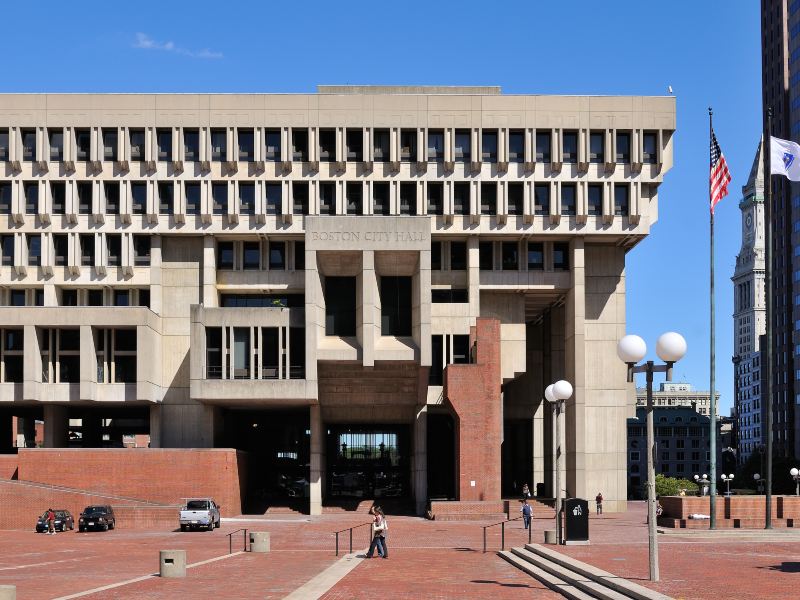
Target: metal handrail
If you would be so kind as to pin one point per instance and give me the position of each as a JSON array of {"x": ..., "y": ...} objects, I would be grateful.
[
  {"x": 503, "y": 532},
  {"x": 350, "y": 529},
  {"x": 244, "y": 540}
]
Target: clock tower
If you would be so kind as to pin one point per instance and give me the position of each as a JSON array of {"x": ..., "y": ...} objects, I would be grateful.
[{"x": 749, "y": 313}]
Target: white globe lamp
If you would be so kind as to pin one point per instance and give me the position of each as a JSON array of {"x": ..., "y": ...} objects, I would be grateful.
[
  {"x": 793, "y": 472},
  {"x": 562, "y": 390},
  {"x": 631, "y": 349},
  {"x": 671, "y": 347},
  {"x": 549, "y": 395}
]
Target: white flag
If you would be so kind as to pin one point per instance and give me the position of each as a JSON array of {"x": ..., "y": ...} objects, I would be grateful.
[{"x": 784, "y": 158}]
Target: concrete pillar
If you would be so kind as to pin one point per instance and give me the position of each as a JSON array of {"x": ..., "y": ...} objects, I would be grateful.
[
  {"x": 155, "y": 273},
  {"x": 574, "y": 419},
  {"x": 420, "y": 462},
  {"x": 55, "y": 426},
  {"x": 537, "y": 476},
  {"x": 26, "y": 432},
  {"x": 210, "y": 297},
  {"x": 317, "y": 446},
  {"x": 259, "y": 541},
  {"x": 172, "y": 563},
  {"x": 155, "y": 426},
  {"x": 368, "y": 308}
]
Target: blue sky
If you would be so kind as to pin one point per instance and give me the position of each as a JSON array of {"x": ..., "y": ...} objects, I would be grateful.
[{"x": 708, "y": 51}]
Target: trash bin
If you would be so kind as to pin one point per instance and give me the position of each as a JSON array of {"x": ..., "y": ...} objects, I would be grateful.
[
  {"x": 172, "y": 563},
  {"x": 576, "y": 521},
  {"x": 540, "y": 490}
]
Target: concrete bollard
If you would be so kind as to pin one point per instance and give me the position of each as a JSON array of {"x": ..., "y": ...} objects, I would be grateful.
[
  {"x": 172, "y": 563},
  {"x": 259, "y": 541},
  {"x": 8, "y": 592},
  {"x": 550, "y": 536}
]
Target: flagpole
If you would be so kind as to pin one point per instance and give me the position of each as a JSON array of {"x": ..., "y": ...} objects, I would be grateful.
[
  {"x": 712, "y": 399},
  {"x": 766, "y": 387}
]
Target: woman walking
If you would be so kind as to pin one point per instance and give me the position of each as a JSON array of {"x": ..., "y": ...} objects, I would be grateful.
[
  {"x": 376, "y": 528},
  {"x": 384, "y": 528}
]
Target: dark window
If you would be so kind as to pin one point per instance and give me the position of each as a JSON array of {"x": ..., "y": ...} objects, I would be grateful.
[
  {"x": 111, "y": 190},
  {"x": 458, "y": 256},
  {"x": 219, "y": 145},
  {"x": 300, "y": 198},
  {"x": 510, "y": 256},
  {"x": 58, "y": 191},
  {"x": 139, "y": 198},
  {"x": 327, "y": 198},
  {"x": 31, "y": 191},
  {"x": 251, "y": 256},
  {"x": 570, "y": 150},
  {"x": 408, "y": 198},
  {"x": 486, "y": 256},
  {"x": 461, "y": 354},
  {"x": 436, "y": 374},
  {"x": 137, "y": 144},
  {"x": 597, "y": 147},
  {"x": 125, "y": 339},
  {"x": 299, "y": 256},
  {"x": 649, "y": 148},
  {"x": 56, "y": 142},
  {"x": 353, "y": 193},
  {"x": 38, "y": 297},
  {"x": 261, "y": 300},
  {"x": 164, "y": 143},
  {"x": 354, "y": 140},
  {"x": 122, "y": 297},
  {"x": 87, "y": 249},
  {"x": 144, "y": 297},
  {"x": 516, "y": 198},
  {"x": 327, "y": 145},
  {"x": 543, "y": 147},
  {"x": 34, "y": 249},
  {"x": 408, "y": 145},
  {"x": 166, "y": 203},
  {"x": 17, "y": 298},
  {"x": 461, "y": 193},
  {"x": 340, "y": 306},
  {"x": 449, "y": 296},
  {"x": 4, "y": 144},
  {"x": 219, "y": 198},
  {"x": 436, "y": 256},
  {"x": 29, "y": 145},
  {"x": 109, "y": 144},
  {"x": 435, "y": 145},
  {"x": 247, "y": 144},
  {"x": 541, "y": 199},
  {"x": 535, "y": 256},
  {"x": 595, "y": 199},
  {"x": 84, "y": 189},
  {"x": 60, "y": 245},
  {"x": 395, "y": 294},
  {"x": 277, "y": 256},
  {"x": 568, "y": 192},
  {"x": 191, "y": 145},
  {"x": 488, "y": 198},
  {"x": 621, "y": 198},
  {"x": 69, "y": 297},
  {"x": 247, "y": 198},
  {"x": 83, "y": 144},
  {"x": 489, "y": 146},
  {"x": 141, "y": 250},
  {"x": 274, "y": 197},
  {"x": 192, "y": 198},
  {"x": 224, "y": 255},
  {"x": 94, "y": 298},
  {"x": 272, "y": 141},
  {"x": 435, "y": 198},
  {"x": 516, "y": 146},
  {"x": 297, "y": 353},
  {"x": 7, "y": 244},
  {"x": 380, "y": 198},
  {"x": 623, "y": 147},
  {"x": 114, "y": 246},
  {"x": 380, "y": 143},
  {"x": 299, "y": 145},
  {"x": 5, "y": 198},
  {"x": 561, "y": 256},
  {"x": 463, "y": 152}
]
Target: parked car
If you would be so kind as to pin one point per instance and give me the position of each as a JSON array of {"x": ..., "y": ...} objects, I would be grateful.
[
  {"x": 199, "y": 512},
  {"x": 64, "y": 521},
  {"x": 97, "y": 517}
]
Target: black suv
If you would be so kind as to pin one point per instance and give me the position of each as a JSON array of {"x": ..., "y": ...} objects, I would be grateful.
[{"x": 97, "y": 517}]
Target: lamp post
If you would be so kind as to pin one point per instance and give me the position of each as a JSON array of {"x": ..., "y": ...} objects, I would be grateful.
[
  {"x": 759, "y": 483},
  {"x": 727, "y": 479},
  {"x": 795, "y": 473},
  {"x": 702, "y": 484},
  {"x": 557, "y": 393},
  {"x": 670, "y": 348}
]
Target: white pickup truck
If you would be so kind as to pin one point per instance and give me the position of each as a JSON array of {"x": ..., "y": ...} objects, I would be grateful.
[{"x": 199, "y": 512}]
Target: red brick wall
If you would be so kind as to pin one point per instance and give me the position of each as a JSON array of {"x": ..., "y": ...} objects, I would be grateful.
[
  {"x": 8, "y": 466},
  {"x": 735, "y": 507},
  {"x": 154, "y": 474},
  {"x": 474, "y": 393}
]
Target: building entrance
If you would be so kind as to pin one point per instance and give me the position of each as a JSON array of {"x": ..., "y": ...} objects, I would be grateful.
[
  {"x": 517, "y": 453},
  {"x": 368, "y": 462}
]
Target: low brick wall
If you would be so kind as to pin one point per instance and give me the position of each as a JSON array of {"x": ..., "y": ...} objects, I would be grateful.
[
  {"x": 8, "y": 466},
  {"x": 468, "y": 510},
  {"x": 741, "y": 511}
]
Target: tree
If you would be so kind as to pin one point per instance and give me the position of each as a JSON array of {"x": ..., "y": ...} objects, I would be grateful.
[{"x": 671, "y": 486}]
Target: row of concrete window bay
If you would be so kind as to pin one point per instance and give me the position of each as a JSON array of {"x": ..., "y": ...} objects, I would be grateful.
[{"x": 327, "y": 145}]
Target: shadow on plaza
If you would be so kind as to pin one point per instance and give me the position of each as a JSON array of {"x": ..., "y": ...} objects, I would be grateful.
[
  {"x": 785, "y": 567},
  {"x": 512, "y": 585}
]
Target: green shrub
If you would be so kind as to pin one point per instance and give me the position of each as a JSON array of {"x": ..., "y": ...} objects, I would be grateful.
[{"x": 671, "y": 486}]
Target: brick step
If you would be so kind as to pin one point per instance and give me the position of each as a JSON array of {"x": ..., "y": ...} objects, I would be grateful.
[{"x": 756, "y": 523}]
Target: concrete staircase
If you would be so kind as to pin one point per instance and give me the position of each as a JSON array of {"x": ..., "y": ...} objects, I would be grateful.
[{"x": 573, "y": 578}]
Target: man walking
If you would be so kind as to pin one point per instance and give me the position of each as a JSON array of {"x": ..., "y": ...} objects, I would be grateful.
[
  {"x": 599, "y": 501},
  {"x": 51, "y": 522},
  {"x": 527, "y": 513}
]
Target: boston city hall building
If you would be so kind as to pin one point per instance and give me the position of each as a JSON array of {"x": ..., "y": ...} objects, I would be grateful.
[{"x": 360, "y": 292}]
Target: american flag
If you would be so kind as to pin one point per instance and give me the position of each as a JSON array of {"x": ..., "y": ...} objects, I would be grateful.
[{"x": 720, "y": 176}]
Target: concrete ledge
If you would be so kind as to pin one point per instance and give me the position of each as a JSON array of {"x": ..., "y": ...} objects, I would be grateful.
[{"x": 551, "y": 581}]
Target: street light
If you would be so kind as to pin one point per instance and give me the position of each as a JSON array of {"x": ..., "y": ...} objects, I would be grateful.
[
  {"x": 702, "y": 484},
  {"x": 727, "y": 479},
  {"x": 759, "y": 483},
  {"x": 557, "y": 393},
  {"x": 795, "y": 473},
  {"x": 670, "y": 348}
]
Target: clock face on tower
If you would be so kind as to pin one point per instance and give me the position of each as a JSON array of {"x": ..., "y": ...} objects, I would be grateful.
[{"x": 748, "y": 221}]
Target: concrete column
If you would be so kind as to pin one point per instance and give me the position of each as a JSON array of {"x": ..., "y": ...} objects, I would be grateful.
[
  {"x": 26, "y": 432},
  {"x": 32, "y": 364},
  {"x": 314, "y": 313},
  {"x": 317, "y": 449},
  {"x": 155, "y": 426},
  {"x": 88, "y": 368},
  {"x": 422, "y": 300},
  {"x": 155, "y": 273},
  {"x": 420, "y": 464},
  {"x": 369, "y": 305},
  {"x": 538, "y": 444},
  {"x": 574, "y": 419},
  {"x": 473, "y": 278},
  {"x": 55, "y": 426},
  {"x": 209, "y": 272}
]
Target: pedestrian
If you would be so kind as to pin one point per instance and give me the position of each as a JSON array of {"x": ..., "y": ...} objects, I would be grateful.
[
  {"x": 527, "y": 513},
  {"x": 599, "y": 501},
  {"x": 51, "y": 522},
  {"x": 383, "y": 531},
  {"x": 526, "y": 492},
  {"x": 375, "y": 527}
]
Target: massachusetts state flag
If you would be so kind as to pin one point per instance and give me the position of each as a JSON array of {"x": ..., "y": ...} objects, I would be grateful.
[
  {"x": 720, "y": 176},
  {"x": 784, "y": 158}
]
